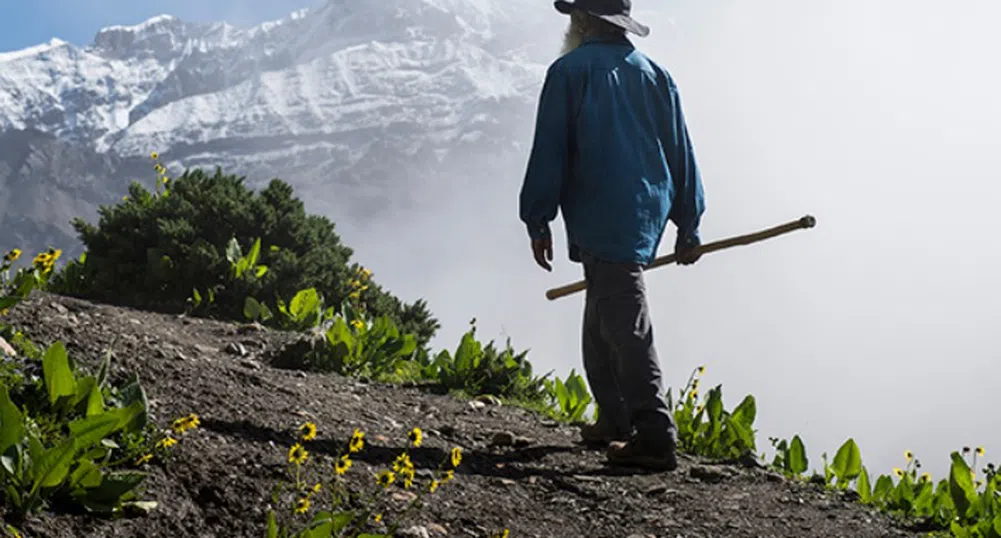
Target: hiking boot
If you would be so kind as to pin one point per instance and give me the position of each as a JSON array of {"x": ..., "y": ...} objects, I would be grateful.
[
  {"x": 600, "y": 434},
  {"x": 637, "y": 453}
]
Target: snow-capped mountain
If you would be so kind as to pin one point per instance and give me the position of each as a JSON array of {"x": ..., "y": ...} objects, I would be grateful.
[{"x": 357, "y": 104}]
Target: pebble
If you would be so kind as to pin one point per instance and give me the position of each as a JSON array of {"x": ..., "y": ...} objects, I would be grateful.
[
  {"x": 414, "y": 532},
  {"x": 236, "y": 348}
]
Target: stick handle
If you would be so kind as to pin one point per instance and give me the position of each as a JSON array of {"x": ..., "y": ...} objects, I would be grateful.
[{"x": 805, "y": 222}]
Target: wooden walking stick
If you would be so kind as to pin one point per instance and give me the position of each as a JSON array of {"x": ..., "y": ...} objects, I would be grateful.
[{"x": 805, "y": 222}]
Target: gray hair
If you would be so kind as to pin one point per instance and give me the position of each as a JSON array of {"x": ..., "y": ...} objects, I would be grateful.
[{"x": 583, "y": 25}]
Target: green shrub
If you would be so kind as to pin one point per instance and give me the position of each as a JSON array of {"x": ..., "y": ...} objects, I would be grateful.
[
  {"x": 476, "y": 369},
  {"x": 153, "y": 250}
]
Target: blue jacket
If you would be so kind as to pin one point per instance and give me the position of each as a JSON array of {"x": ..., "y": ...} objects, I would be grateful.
[{"x": 611, "y": 150}]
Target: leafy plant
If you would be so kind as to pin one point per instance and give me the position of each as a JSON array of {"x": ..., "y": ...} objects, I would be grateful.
[
  {"x": 475, "y": 369},
  {"x": 706, "y": 428},
  {"x": 571, "y": 397},
  {"x": 62, "y": 449}
]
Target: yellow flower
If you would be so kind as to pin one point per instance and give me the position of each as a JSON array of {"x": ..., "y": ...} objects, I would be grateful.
[
  {"x": 434, "y": 486},
  {"x": 41, "y": 259},
  {"x": 342, "y": 465},
  {"x": 357, "y": 324},
  {"x": 357, "y": 441},
  {"x": 456, "y": 456},
  {"x": 980, "y": 483},
  {"x": 385, "y": 478},
  {"x": 699, "y": 408},
  {"x": 302, "y": 505},
  {"x": 980, "y": 451},
  {"x": 297, "y": 454},
  {"x": 898, "y": 471},
  {"x": 125, "y": 198},
  {"x": 702, "y": 370},
  {"x": 402, "y": 463},
  {"x": 695, "y": 383},
  {"x": 408, "y": 478},
  {"x": 144, "y": 459},
  {"x": 184, "y": 424},
  {"x": 317, "y": 487},
  {"x": 154, "y": 155},
  {"x": 449, "y": 475},
  {"x": 925, "y": 477},
  {"x": 166, "y": 442},
  {"x": 308, "y": 431},
  {"x": 354, "y": 296},
  {"x": 377, "y": 518},
  {"x": 12, "y": 255},
  {"x": 908, "y": 455},
  {"x": 416, "y": 436},
  {"x": 4, "y": 311},
  {"x": 693, "y": 395}
]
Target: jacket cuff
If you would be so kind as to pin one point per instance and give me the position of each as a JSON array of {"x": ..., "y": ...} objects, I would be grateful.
[{"x": 539, "y": 231}]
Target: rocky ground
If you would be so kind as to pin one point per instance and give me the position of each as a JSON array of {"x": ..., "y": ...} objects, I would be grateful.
[{"x": 519, "y": 470}]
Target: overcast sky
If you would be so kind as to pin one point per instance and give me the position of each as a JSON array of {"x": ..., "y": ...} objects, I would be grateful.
[{"x": 880, "y": 118}]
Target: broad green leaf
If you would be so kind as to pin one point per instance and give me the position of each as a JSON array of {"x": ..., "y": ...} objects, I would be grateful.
[
  {"x": 95, "y": 402},
  {"x": 798, "y": 461},
  {"x": 56, "y": 369},
  {"x": 91, "y": 430},
  {"x": 115, "y": 486},
  {"x": 261, "y": 271},
  {"x": 86, "y": 475},
  {"x": 884, "y": 484},
  {"x": 746, "y": 411},
  {"x": 251, "y": 308},
  {"x": 52, "y": 468},
  {"x": 11, "y": 422},
  {"x": 961, "y": 486},
  {"x": 862, "y": 486},
  {"x": 304, "y": 303},
  {"x": 847, "y": 462},
  {"x": 255, "y": 252},
  {"x": 196, "y": 297}
]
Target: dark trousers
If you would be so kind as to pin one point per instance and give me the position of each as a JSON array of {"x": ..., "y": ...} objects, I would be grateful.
[{"x": 620, "y": 359}]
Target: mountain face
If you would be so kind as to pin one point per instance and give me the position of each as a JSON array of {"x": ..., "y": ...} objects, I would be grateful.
[{"x": 361, "y": 106}]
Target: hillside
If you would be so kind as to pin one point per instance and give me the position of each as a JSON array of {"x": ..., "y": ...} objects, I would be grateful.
[{"x": 219, "y": 481}]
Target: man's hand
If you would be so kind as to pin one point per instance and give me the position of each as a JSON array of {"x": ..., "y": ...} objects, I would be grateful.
[
  {"x": 543, "y": 251},
  {"x": 687, "y": 256}
]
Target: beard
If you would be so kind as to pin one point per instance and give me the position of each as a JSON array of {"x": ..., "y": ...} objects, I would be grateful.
[{"x": 572, "y": 37}]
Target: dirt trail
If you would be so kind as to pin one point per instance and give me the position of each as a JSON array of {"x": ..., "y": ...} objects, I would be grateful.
[{"x": 219, "y": 485}]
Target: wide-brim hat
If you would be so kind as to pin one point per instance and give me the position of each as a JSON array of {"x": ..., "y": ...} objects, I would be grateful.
[{"x": 616, "y": 12}]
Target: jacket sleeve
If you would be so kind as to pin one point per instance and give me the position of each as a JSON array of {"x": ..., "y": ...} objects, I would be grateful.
[
  {"x": 549, "y": 161},
  {"x": 689, "y": 198}
]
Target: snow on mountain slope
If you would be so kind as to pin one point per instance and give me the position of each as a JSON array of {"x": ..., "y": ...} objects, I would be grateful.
[{"x": 372, "y": 100}]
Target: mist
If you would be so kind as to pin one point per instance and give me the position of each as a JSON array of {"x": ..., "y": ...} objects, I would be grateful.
[{"x": 879, "y": 118}]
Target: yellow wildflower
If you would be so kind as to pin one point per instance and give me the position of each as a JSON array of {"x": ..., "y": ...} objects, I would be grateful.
[
  {"x": 980, "y": 451},
  {"x": 898, "y": 471},
  {"x": 166, "y": 442},
  {"x": 926, "y": 477},
  {"x": 297, "y": 454},
  {"x": 402, "y": 463},
  {"x": 702, "y": 370},
  {"x": 434, "y": 486},
  {"x": 693, "y": 395},
  {"x": 416, "y": 437},
  {"x": 377, "y": 518},
  {"x": 154, "y": 155},
  {"x": 357, "y": 323},
  {"x": 317, "y": 487},
  {"x": 357, "y": 441},
  {"x": 342, "y": 465},
  {"x": 408, "y": 478},
  {"x": 12, "y": 255},
  {"x": 308, "y": 431},
  {"x": 699, "y": 408},
  {"x": 695, "y": 384},
  {"x": 144, "y": 459},
  {"x": 449, "y": 475},
  {"x": 184, "y": 424},
  {"x": 456, "y": 456},
  {"x": 503, "y": 534},
  {"x": 908, "y": 455},
  {"x": 385, "y": 478},
  {"x": 354, "y": 296},
  {"x": 302, "y": 506}
]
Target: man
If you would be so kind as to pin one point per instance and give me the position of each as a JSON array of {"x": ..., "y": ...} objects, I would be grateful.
[{"x": 611, "y": 150}]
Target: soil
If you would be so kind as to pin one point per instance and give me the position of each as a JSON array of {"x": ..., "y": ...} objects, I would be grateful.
[{"x": 220, "y": 480}]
